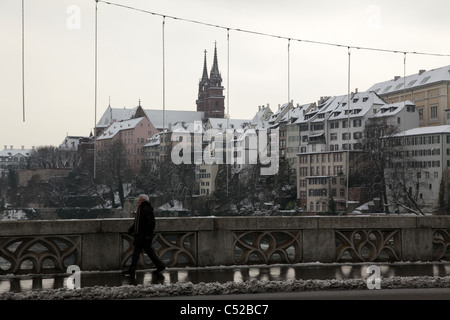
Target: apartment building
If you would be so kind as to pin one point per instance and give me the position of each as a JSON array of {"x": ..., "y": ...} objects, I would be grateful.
[
  {"x": 426, "y": 157},
  {"x": 329, "y": 139},
  {"x": 133, "y": 133},
  {"x": 13, "y": 158},
  {"x": 428, "y": 90}
]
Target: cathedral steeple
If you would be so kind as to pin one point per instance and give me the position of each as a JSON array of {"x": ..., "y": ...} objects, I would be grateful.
[
  {"x": 215, "y": 77},
  {"x": 205, "y": 72},
  {"x": 210, "y": 98}
]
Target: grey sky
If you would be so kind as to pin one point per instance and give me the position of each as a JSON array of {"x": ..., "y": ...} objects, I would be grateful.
[{"x": 59, "y": 57}]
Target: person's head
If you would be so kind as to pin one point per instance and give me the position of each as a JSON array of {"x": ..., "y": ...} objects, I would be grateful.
[{"x": 142, "y": 198}]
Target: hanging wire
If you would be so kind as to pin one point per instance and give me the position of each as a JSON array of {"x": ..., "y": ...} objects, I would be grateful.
[
  {"x": 228, "y": 76},
  {"x": 289, "y": 70},
  {"x": 163, "y": 75},
  {"x": 228, "y": 95},
  {"x": 274, "y": 35},
  {"x": 348, "y": 125},
  {"x": 95, "y": 93},
  {"x": 404, "y": 73},
  {"x": 23, "y": 61}
]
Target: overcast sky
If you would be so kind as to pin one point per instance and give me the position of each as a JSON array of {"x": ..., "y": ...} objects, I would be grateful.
[{"x": 59, "y": 55}]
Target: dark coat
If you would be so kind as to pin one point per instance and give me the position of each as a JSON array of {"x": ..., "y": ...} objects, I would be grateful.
[{"x": 144, "y": 222}]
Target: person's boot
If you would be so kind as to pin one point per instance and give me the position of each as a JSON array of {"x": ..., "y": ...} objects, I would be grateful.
[
  {"x": 129, "y": 272},
  {"x": 159, "y": 269}
]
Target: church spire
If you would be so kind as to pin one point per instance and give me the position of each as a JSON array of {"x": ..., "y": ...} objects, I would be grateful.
[
  {"x": 210, "y": 98},
  {"x": 205, "y": 72},
  {"x": 216, "y": 78}
]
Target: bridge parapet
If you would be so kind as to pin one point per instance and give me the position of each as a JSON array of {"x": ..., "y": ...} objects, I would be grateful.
[{"x": 50, "y": 246}]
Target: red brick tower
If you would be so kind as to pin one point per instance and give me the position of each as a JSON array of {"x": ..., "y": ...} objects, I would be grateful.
[{"x": 210, "y": 99}]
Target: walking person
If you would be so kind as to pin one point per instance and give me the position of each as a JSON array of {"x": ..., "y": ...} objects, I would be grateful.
[{"x": 142, "y": 230}]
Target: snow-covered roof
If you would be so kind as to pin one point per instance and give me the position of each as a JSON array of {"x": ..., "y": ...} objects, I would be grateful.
[
  {"x": 115, "y": 114},
  {"x": 155, "y": 140},
  {"x": 118, "y": 126},
  {"x": 360, "y": 104},
  {"x": 423, "y": 78},
  {"x": 70, "y": 143},
  {"x": 392, "y": 109},
  {"x": 426, "y": 130},
  {"x": 155, "y": 116},
  {"x": 190, "y": 127},
  {"x": 281, "y": 114},
  {"x": 261, "y": 117},
  {"x": 172, "y": 116},
  {"x": 12, "y": 152},
  {"x": 221, "y": 123}
]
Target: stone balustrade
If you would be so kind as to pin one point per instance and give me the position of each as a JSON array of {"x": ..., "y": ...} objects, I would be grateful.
[{"x": 50, "y": 246}]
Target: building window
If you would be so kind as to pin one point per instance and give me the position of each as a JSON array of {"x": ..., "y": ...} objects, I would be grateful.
[
  {"x": 420, "y": 110},
  {"x": 434, "y": 112}
]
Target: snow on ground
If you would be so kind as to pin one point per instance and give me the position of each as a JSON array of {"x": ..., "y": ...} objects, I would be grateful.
[
  {"x": 215, "y": 288},
  {"x": 9, "y": 215}
]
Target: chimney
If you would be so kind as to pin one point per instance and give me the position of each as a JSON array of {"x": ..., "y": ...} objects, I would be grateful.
[
  {"x": 11, "y": 147},
  {"x": 6, "y": 147},
  {"x": 396, "y": 78},
  {"x": 421, "y": 71}
]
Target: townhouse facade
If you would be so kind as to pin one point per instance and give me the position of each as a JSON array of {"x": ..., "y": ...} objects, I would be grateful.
[
  {"x": 330, "y": 135},
  {"x": 133, "y": 134},
  {"x": 428, "y": 90},
  {"x": 424, "y": 165},
  {"x": 13, "y": 158}
]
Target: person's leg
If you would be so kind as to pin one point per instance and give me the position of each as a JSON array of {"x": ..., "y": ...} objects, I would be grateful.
[
  {"x": 134, "y": 260},
  {"x": 153, "y": 256}
]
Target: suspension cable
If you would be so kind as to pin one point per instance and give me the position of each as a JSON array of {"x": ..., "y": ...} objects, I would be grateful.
[
  {"x": 163, "y": 75},
  {"x": 273, "y": 35},
  {"x": 348, "y": 126},
  {"x": 23, "y": 61},
  {"x": 95, "y": 91},
  {"x": 289, "y": 70}
]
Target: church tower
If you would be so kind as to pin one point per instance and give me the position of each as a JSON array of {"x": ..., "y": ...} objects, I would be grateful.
[{"x": 210, "y": 99}]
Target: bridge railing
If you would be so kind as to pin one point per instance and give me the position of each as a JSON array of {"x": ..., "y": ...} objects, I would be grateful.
[{"x": 50, "y": 246}]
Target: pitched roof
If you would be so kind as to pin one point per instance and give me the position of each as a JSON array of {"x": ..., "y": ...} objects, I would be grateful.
[
  {"x": 115, "y": 114},
  {"x": 172, "y": 116},
  {"x": 118, "y": 126},
  {"x": 392, "y": 109},
  {"x": 155, "y": 116},
  {"x": 426, "y": 130},
  {"x": 11, "y": 152},
  {"x": 423, "y": 78}
]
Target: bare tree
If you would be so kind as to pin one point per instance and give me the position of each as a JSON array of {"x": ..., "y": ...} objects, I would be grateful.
[
  {"x": 443, "y": 206},
  {"x": 379, "y": 146},
  {"x": 46, "y": 157},
  {"x": 113, "y": 170}
]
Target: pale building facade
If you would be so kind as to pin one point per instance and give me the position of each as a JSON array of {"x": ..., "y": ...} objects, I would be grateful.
[{"x": 428, "y": 90}]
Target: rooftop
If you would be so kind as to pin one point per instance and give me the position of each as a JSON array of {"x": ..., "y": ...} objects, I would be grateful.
[{"x": 420, "y": 79}]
